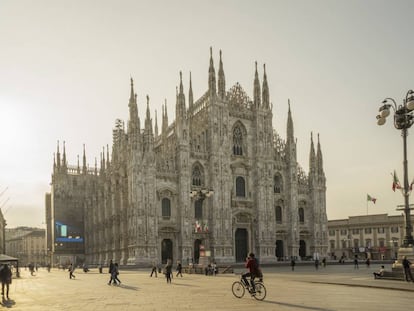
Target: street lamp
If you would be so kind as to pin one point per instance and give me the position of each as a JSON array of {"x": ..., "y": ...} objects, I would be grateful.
[
  {"x": 403, "y": 120},
  {"x": 201, "y": 194}
]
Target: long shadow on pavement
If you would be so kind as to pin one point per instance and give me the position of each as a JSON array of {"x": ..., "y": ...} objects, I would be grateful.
[
  {"x": 128, "y": 287},
  {"x": 190, "y": 285},
  {"x": 296, "y": 306}
]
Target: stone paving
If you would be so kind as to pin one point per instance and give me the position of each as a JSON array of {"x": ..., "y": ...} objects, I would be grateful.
[{"x": 331, "y": 288}]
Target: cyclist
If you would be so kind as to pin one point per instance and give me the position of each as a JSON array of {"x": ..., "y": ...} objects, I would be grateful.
[{"x": 253, "y": 266}]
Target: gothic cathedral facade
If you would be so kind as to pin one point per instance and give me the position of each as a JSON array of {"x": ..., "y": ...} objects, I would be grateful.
[{"x": 217, "y": 182}]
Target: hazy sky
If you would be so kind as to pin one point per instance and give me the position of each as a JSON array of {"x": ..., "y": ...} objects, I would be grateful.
[{"x": 65, "y": 68}]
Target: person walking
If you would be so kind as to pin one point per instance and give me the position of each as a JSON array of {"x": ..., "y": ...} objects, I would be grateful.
[
  {"x": 115, "y": 273},
  {"x": 316, "y": 264},
  {"x": 6, "y": 279},
  {"x": 168, "y": 270},
  {"x": 179, "y": 269},
  {"x": 407, "y": 269},
  {"x": 356, "y": 266},
  {"x": 154, "y": 268},
  {"x": 111, "y": 268},
  {"x": 71, "y": 270},
  {"x": 293, "y": 263},
  {"x": 368, "y": 262}
]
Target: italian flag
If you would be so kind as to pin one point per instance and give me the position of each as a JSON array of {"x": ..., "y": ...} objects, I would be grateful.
[
  {"x": 370, "y": 198},
  {"x": 395, "y": 182}
]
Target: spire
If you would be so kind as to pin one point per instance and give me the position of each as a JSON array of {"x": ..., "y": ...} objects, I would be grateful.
[
  {"x": 221, "y": 80},
  {"x": 107, "y": 157},
  {"x": 103, "y": 158},
  {"x": 211, "y": 76},
  {"x": 319, "y": 158},
  {"x": 54, "y": 161},
  {"x": 156, "y": 123},
  {"x": 190, "y": 95},
  {"x": 78, "y": 167},
  {"x": 58, "y": 155},
  {"x": 180, "y": 106},
  {"x": 312, "y": 159},
  {"x": 138, "y": 123},
  {"x": 290, "y": 136},
  {"x": 132, "y": 95},
  {"x": 256, "y": 89},
  {"x": 133, "y": 124},
  {"x": 181, "y": 83},
  {"x": 96, "y": 167},
  {"x": 265, "y": 91},
  {"x": 166, "y": 114},
  {"x": 164, "y": 117},
  {"x": 148, "y": 121},
  {"x": 84, "y": 168},
  {"x": 64, "y": 155},
  {"x": 148, "y": 116}
]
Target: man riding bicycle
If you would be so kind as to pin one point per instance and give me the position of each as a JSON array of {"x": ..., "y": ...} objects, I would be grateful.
[{"x": 254, "y": 271}]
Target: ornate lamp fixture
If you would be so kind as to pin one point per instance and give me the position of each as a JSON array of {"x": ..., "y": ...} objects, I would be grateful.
[
  {"x": 201, "y": 194},
  {"x": 403, "y": 120}
]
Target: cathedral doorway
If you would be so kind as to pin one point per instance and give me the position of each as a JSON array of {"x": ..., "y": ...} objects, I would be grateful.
[
  {"x": 166, "y": 250},
  {"x": 241, "y": 244},
  {"x": 302, "y": 248},
  {"x": 279, "y": 250},
  {"x": 197, "y": 244}
]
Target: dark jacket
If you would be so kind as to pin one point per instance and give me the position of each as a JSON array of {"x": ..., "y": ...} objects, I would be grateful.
[{"x": 5, "y": 274}]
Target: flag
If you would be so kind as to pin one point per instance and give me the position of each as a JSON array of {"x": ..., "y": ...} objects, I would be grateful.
[
  {"x": 370, "y": 198},
  {"x": 395, "y": 182},
  {"x": 411, "y": 185}
]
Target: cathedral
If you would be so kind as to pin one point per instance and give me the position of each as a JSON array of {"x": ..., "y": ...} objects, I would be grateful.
[{"x": 217, "y": 182}]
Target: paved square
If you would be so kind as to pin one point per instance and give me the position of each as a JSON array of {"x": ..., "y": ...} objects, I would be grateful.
[{"x": 333, "y": 288}]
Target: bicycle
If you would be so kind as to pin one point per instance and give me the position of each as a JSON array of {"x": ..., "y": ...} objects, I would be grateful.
[{"x": 239, "y": 288}]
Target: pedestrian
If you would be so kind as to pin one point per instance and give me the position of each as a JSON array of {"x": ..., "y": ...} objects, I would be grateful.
[
  {"x": 111, "y": 268},
  {"x": 356, "y": 266},
  {"x": 6, "y": 279},
  {"x": 115, "y": 273},
  {"x": 407, "y": 269},
  {"x": 179, "y": 268},
  {"x": 168, "y": 270},
  {"x": 31, "y": 268},
  {"x": 324, "y": 262},
  {"x": 154, "y": 268},
  {"x": 293, "y": 263},
  {"x": 316, "y": 263},
  {"x": 71, "y": 270},
  {"x": 368, "y": 262},
  {"x": 214, "y": 267}
]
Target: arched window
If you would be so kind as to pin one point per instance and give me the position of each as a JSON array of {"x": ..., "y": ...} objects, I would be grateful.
[
  {"x": 240, "y": 187},
  {"x": 277, "y": 184},
  {"x": 197, "y": 176},
  {"x": 278, "y": 212},
  {"x": 301, "y": 215},
  {"x": 166, "y": 208},
  {"x": 198, "y": 209},
  {"x": 237, "y": 141}
]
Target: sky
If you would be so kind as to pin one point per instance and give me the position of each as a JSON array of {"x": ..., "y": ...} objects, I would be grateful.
[{"x": 65, "y": 69}]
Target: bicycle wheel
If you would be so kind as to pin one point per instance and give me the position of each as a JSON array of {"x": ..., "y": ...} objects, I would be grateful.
[
  {"x": 260, "y": 291},
  {"x": 238, "y": 289}
]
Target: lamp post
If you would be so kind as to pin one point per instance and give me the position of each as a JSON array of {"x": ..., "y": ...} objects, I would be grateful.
[
  {"x": 201, "y": 194},
  {"x": 403, "y": 120},
  {"x": 201, "y": 254}
]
